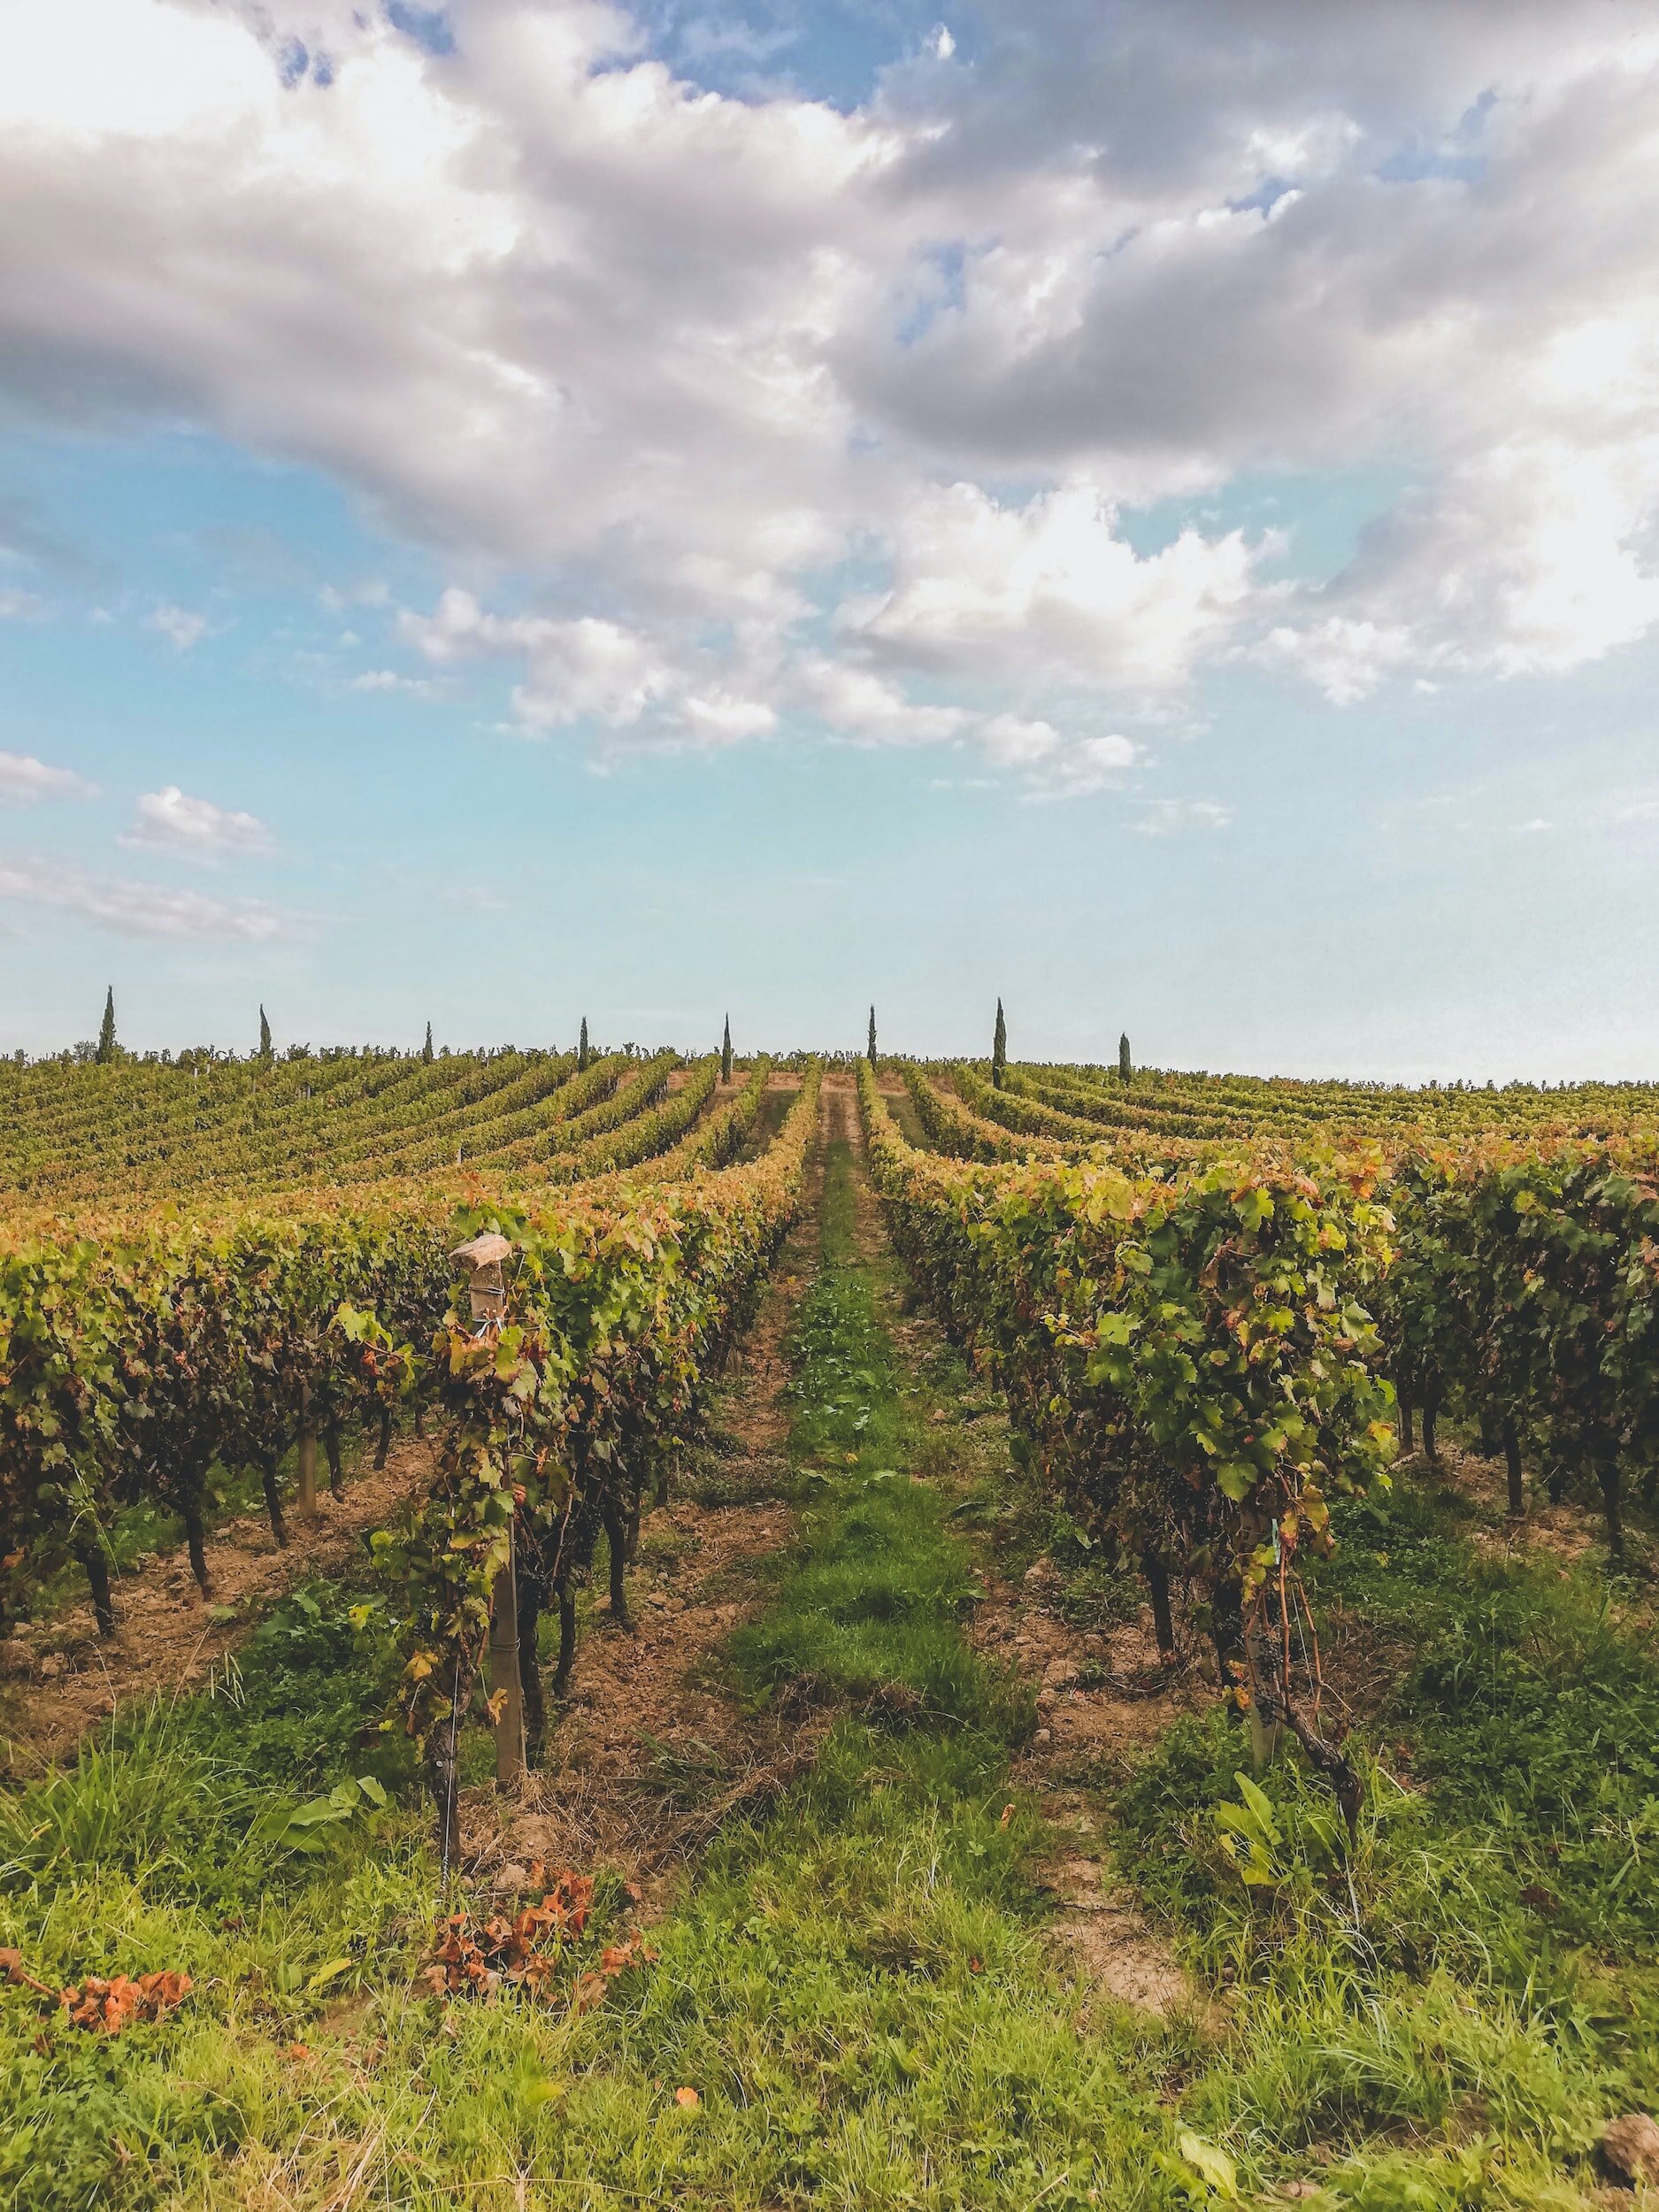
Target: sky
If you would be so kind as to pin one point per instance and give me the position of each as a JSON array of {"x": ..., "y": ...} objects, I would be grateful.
[{"x": 1141, "y": 508}]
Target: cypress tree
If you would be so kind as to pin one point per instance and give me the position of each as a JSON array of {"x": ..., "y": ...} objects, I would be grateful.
[
  {"x": 265, "y": 1046},
  {"x": 1125, "y": 1067},
  {"x": 107, "y": 1046},
  {"x": 582, "y": 1049},
  {"x": 999, "y": 1048},
  {"x": 872, "y": 1047},
  {"x": 725, "y": 1052},
  {"x": 426, "y": 1050}
]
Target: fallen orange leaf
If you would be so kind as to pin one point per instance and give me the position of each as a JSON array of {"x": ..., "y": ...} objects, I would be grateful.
[
  {"x": 687, "y": 2099},
  {"x": 112, "y": 2005}
]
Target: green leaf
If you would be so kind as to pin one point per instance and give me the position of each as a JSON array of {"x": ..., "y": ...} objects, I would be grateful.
[
  {"x": 271, "y": 1825},
  {"x": 1261, "y": 1804},
  {"x": 1211, "y": 2164}
]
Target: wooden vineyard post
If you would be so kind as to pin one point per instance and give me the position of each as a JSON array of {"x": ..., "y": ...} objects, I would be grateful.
[
  {"x": 482, "y": 1256},
  {"x": 504, "y": 1680},
  {"x": 308, "y": 1460}
]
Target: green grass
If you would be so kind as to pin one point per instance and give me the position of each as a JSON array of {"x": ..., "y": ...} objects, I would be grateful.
[
  {"x": 874, "y": 1607},
  {"x": 141, "y": 1857},
  {"x": 1449, "y": 2015},
  {"x": 1531, "y": 1706}
]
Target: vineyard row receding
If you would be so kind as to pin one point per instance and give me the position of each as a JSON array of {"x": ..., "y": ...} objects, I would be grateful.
[{"x": 1212, "y": 1303}]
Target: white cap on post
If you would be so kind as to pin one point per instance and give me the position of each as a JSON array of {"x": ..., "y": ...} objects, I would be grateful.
[{"x": 483, "y": 1256}]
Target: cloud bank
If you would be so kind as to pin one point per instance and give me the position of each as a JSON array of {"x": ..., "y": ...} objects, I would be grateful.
[{"x": 731, "y": 414}]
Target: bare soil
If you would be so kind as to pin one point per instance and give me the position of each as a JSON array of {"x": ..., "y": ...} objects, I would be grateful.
[
  {"x": 59, "y": 1677},
  {"x": 1566, "y": 1531},
  {"x": 841, "y": 1115},
  {"x": 1103, "y": 1701}
]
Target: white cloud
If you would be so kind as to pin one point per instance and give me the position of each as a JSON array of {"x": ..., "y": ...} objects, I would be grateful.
[
  {"x": 1165, "y": 817},
  {"x": 575, "y": 668},
  {"x": 1056, "y": 767},
  {"x": 1014, "y": 743},
  {"x": 1528, "y": 563},
  {"x": 23, "y": 780},
  {"x": 1087, "y": 764},
  {"x": 720, "y": 720},
  {"x": 676, "y": 358},
  {"x": 590, "y": 669},
  {"x": 182, "y": 626},
  {"x": 870, "y": 710},
  {"x": 21, "y": 606},
  {"x": 1048, "y": 592},
  {"x": 143, "y": 909},
  {"x": 1344, "y": 658},
  {"x": 388, "y": 679},
  {"x": 171, "y": 821}
]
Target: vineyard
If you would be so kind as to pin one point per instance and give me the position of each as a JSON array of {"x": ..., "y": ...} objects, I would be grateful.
[{"x": 898, "y": 1633}]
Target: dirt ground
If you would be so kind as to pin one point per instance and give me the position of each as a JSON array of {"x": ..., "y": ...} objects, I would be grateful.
[
  {"x": 58, "y": 1677},
  {"x": 1103, "y": 1700},
  {"x": 1566, "y": 1531}
]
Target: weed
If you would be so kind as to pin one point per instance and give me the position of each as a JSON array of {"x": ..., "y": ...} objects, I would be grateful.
[{"x": 1446, "y": 1978}]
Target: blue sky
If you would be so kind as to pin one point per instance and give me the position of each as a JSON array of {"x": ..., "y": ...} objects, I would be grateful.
[{"x": 762, "y": 510}]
